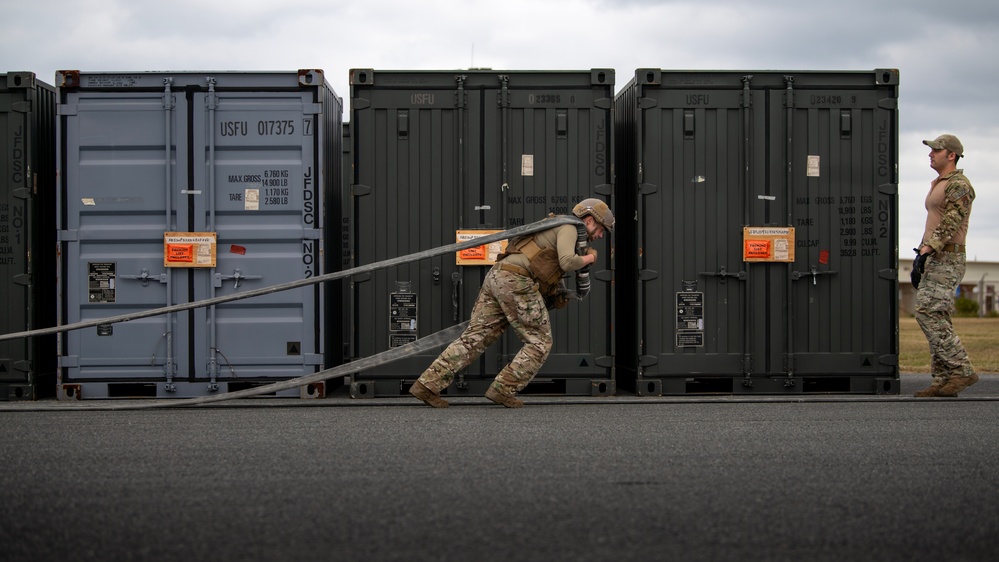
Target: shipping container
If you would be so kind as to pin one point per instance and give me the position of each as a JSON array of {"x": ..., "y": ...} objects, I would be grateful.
[
  {"x": 27, "y": 235},
  {"x": 443, "y": 155},
  {"x": 762, "y": 253},
  {"x": 184, "y": 186}
]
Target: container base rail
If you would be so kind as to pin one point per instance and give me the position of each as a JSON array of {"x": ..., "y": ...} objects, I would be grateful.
[
  {"x": 422, "y": 345},
  {"x": 772, "y": 385},
  {"x": 393, "y": 387},
  {"x": 105, "y": 390}
]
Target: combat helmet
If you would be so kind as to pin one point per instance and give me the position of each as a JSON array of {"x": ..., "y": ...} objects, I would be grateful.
[{"x": 596, "y": 209}]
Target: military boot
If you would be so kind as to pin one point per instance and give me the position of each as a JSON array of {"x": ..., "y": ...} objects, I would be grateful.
[
  {"x": 929, "y": 392},
  {"x": 498, "y": 397},
  {"x": 429, "y": 397},
  {"x": 957, "y": 384}
]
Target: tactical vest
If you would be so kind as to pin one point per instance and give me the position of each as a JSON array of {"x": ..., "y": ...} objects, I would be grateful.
[{"x": 543, "y": 262}]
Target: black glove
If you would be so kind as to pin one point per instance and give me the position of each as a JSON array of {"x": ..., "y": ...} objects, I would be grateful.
[{"x": 918, "y": 267}]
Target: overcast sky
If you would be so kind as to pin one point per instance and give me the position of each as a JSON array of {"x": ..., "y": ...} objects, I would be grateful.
[{"x": 947, "y": 53}]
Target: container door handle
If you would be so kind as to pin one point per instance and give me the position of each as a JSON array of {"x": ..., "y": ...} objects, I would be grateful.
[
  {"x": 725, "y": 274},
  {"x": 145, "y": 277},
  {"x": 813, "y": 272},
  {"x": 237, "y": 275},
  {"x": 455, "y": 293}
]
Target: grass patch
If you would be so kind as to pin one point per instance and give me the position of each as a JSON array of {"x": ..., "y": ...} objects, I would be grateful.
[{"x": 980, "y": 337}]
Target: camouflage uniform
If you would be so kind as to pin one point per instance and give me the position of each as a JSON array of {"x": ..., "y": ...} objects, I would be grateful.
[
  {"x": 507, "y": 299},
  {"x": 944, "y": 271}
]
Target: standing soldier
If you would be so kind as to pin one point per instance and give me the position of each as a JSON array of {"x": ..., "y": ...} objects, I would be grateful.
[
  {"x": 939, "y": 268},
  {"x": 517, "y": 292}
]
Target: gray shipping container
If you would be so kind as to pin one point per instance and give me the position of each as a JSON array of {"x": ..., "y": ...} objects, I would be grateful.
[
  {"x": 437, "y": 152},
  {"x": 184, "y": 186},
  {"x": 762, "y": 253},
  {"x": 27, "y": 234}
]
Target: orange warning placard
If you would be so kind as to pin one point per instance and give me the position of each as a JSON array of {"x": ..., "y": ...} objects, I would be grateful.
[
  {"x": 189, "y": 249},
  {"x": 180, "y": 253},
  {"x": 478, "y": 255},
  {"x": 768, "y": 244},
  {"x": 757, "y": 249}
]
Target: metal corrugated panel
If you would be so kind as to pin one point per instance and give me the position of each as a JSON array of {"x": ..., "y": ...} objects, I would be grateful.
[
  {"x": 27, "y": 234},
  {"x": 244, "y": 156},
  {"x": 710, "y": 153},
  {"x": 440, "y": 151},
  {"x": 339, "y": 248}
]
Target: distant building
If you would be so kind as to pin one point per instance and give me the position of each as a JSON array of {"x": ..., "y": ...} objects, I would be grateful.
[{"x": 979, "y": 284}]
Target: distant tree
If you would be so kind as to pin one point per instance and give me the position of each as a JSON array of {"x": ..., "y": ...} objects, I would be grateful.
[{"x": 966, "y": 306}]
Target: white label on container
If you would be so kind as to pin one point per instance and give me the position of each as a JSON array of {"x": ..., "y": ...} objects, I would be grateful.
[
  {"x": 781, "y": 249},
  {"x": 111, "y": 81},
  {"x": 812, "y": 170},
  {"x": 769, "y": 230},
  {"x": 252, "y": 200},
  {"x": 89, "y": 201},
  {"x": 527, "y": 165}
]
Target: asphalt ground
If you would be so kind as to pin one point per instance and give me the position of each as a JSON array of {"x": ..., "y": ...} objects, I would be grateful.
[{"x": 620, "y": 478}]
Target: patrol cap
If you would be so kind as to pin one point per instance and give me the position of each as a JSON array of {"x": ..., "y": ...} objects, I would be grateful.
[
  {"x": 596, "y": 209},
  {"x": 948, "y": 142}
]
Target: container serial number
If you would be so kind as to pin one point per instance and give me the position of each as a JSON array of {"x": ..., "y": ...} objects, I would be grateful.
[
  {"x": 544, "y": 98},
  {"x": 826, "y": 100},
  {"x": 281, "y": 127}
]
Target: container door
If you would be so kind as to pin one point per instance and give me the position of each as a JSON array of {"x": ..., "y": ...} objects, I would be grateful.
[
  {"x": 548, "y": 147},
  {"x": 15, "y": 226},
  {"x": 414, "y": 151},
  {"x": 257, "y": 186},
  {"x": 839, "y": 313},
  {"x": 701, "y": 157},
  {"x": 123, "y": 178}
]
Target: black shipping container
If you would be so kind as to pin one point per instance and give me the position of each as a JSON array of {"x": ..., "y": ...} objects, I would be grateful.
[
  {"x": 27, "y": 235},
  {"x": 438, "y": 152},
  {"x": 761, "y": 255}
]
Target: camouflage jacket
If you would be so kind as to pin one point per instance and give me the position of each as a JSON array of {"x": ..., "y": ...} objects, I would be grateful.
[{"x": 948, "y": 213}]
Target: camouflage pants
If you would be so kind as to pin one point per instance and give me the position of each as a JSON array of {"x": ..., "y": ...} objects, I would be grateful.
[
  {"x": 506, "y": 299},
  {"x": 934, "y": 305}
]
